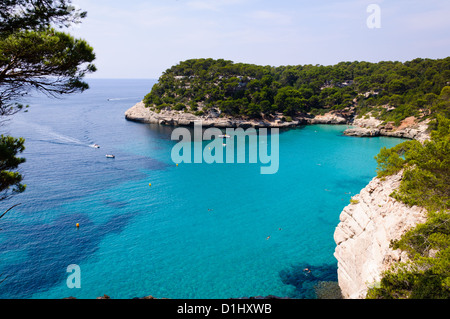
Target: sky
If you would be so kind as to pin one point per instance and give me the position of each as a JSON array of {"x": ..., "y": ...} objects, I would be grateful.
[{"x": 142, "y": 38}]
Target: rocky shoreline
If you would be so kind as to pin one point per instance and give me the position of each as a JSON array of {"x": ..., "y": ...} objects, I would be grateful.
[
  {"x": 373, "y": 218},
  {"x": 368, "y": 126},
  {"x": 363, "y": 236},
  {"x": 410, "y": 128},
  {"x": 142, "y": 114}
]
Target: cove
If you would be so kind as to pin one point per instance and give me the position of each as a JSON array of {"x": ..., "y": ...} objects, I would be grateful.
[{"x": 200, "y": 231}]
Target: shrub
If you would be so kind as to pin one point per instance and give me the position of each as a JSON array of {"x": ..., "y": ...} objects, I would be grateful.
[
  {"x": 179, "y": 107},
  {"x": 425, "y": 183}
]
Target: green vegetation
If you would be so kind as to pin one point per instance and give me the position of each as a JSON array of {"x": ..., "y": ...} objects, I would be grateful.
[
  {"x": 426, "y": 175},
  {"x": 34, "y": 56},
  {"x": 10, "y": 181},
  {"x": 426, "y": 183},
  {"x": 390, "y": 90}
]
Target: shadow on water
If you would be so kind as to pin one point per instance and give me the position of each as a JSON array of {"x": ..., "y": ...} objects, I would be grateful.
[
  {"x": 50, "y": 248},
  {"x": 312, "y": 281},
  {"x": 115, "y": 203}
]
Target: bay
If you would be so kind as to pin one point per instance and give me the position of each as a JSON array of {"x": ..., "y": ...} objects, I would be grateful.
[{"x": 200, "y": 231}]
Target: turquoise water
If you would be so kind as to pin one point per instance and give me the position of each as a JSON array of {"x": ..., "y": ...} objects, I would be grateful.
[{"x": 200, "y": 230}]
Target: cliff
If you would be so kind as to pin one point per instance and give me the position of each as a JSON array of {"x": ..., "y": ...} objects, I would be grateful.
[
  {"x": 373, "y": 219},
  {"x": 409, "y": 128},
  {"x": 365, "y": 231}
]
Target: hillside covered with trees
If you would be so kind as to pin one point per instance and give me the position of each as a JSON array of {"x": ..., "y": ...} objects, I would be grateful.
[{"x": 392, "y": 91}]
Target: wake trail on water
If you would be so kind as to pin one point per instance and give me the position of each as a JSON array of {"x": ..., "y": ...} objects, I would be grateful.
[
  {"x": 47, "y": 134},
  {"x": 120, "y": 98}
]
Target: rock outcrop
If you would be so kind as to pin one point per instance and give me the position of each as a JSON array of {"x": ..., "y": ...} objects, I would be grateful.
[
  {"x": 363, "y": 127},
  {"x": 365, "y": 231},
  {"x": 410, "y": 128},
  {"x": 362, "y": 132},
  {"x": 140, "y": 113},
  {"x": 369, "y": 223}
]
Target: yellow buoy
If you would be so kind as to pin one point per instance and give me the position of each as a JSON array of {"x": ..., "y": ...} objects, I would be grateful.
[
  {"x": 78, "y": 225},
  {"x": 149, "y": 184},
  {"x": 177, "y": 164}
]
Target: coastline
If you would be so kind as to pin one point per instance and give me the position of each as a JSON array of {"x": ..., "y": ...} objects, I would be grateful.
[
  {"x": 410, "y": 128},
  {"x": 369, "y": 223},
  {"x": 142, "y": 114},
  {"x": 363, "y": 236}
]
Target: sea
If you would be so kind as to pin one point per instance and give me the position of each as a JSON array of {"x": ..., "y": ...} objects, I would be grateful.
[{"x": 149, "y": 227}]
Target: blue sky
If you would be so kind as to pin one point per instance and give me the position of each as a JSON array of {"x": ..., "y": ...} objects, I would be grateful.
[{"x": 141, "y": 39}]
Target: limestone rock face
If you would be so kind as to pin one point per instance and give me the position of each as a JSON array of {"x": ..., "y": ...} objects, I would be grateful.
[
  {"x": 362, "y": 132},
  {"x": 410, "y": 128},
  {"x": 328, "y": 118},
  {"x": 418, "y": 132},
  {"x": 140, "y": 113},
  {"x": 365, "y": 231}
]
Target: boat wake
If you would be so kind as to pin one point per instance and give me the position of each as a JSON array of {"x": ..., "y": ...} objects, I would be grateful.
[
  {"x": 120, "y": 98},
  {"x": 47, "y": 134}
]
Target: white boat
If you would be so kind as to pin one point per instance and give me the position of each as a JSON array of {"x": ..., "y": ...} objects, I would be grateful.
[
  {"x": 110, "y": 156},
  {"x": 96, "y": 146},
  {"x": 225, "y": 136}
]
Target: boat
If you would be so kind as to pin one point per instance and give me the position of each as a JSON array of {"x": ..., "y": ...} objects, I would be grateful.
[
  {"x": 96, "y": 146},
  {"x": 110, "y": 156},
  {"x": 225, "y": 136}
]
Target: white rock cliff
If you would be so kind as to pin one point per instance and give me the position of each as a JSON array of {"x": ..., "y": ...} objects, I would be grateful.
[
  {"x": 365, "y": 231},
  {"x": 367, "y": 225}
]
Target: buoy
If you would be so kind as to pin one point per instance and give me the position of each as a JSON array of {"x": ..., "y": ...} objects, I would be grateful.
[
  {"x": 150, "y": 184},
  {"x": 177, "y": 164},
  {"x": 78, "y": 225}
]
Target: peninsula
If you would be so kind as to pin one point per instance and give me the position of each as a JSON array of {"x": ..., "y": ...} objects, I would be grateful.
[{"x": 386, "y": 98}]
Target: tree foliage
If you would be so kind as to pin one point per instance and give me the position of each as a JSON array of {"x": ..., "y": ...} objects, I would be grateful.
[
  {"x": 10, "y": 179},
  {"x": 426, "y": 175},
  {"x": 426, "y": 183},
  {"x": 393, "y": 90},
  {"x": 34, "y": 56},
  {"x": 427, "y": 275},
  {"x": 19, "y": 15}
]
